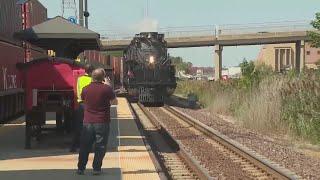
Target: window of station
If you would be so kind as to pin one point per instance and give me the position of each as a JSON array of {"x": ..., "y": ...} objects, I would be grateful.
[{"x": 308, "y": 52}]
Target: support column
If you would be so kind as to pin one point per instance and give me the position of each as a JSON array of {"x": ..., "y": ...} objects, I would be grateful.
[
  {"x": 302, "y": 55},
  {"x": 217, "y": 62},
  {"x": 298, "y": 56},
  {"x": 277, "y": 60}
]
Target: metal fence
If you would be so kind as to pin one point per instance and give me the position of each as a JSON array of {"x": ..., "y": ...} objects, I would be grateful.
[{"x": 216, "y": 30}]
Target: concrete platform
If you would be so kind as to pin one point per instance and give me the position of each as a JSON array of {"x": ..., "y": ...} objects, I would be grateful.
[{"x": 127, "y": 156}]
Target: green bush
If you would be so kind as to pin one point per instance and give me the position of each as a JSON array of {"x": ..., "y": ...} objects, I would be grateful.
[{"x": 301, "y": 106}]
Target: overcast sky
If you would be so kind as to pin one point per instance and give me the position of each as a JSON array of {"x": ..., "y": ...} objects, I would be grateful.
[{"x": 110, "y": 16}]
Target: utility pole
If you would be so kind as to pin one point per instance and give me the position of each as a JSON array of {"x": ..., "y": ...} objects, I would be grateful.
[
  {"x": 81, "y": 12},
  {"x": 83, "y": 22},
  {"x": 86, "y": 13}
]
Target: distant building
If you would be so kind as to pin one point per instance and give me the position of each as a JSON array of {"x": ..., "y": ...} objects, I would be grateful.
[
  {"x": 282, "y": 56},
  {"x": 205, "y": 70},
  {"x": 183, "y": 75},
  {"x": 231, "y": 72},
  {"x": 199, "y": 72},
  {"x": 224, "y": 72},
  {"x": 234, "y": 72}
]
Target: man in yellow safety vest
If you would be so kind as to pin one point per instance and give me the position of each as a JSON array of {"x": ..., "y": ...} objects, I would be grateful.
[{"x": 82, "y": 82}]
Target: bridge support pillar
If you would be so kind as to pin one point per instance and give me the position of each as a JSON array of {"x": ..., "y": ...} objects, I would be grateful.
[
  {"x": 300, "y": 55},
  {"x": 217, "y": 62}
]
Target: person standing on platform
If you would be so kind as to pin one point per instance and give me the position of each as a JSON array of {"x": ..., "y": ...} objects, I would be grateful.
[
  {"x": 97, "y": 98},
  {"x": 82, "y": 82}
]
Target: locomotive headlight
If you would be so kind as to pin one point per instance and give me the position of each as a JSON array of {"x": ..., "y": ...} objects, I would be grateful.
[{"x": 151, "y": 59}]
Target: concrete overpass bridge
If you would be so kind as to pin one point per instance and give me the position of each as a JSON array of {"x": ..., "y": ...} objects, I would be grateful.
[{"x": 227, "y": 35}]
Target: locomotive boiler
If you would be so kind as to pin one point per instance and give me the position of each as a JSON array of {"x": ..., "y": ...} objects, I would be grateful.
[{"x": 148, "y": 72}]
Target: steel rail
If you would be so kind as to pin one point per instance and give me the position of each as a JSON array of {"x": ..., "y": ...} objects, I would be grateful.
[
  {"x": 261, "y": 162},
  {"x": 187, "y": 158}
]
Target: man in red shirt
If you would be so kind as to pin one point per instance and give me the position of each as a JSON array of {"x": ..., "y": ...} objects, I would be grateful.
[{"x": 97, "y": 98}]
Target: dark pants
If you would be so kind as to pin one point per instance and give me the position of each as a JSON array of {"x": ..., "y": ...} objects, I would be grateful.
[
  {"x": 78, "y": 121},
  {"x": 93, "y": 133}
]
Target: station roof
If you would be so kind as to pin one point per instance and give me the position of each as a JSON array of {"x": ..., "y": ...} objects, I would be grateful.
[{"x": 60, "y": 33}]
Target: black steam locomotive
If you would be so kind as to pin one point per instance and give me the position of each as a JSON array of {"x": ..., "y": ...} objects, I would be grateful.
[{"x": 148, "y": 72}]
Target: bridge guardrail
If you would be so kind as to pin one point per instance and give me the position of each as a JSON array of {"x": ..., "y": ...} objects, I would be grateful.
[{"x": 228, "y": 29}]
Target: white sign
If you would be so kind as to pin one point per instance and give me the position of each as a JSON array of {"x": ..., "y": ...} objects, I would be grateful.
[{"x": 9, "y": 80}]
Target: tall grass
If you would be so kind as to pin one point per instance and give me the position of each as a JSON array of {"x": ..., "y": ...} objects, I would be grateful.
[
  {"x": 261, "y": 108},
  {"x": 271, "y": 103},
  {"x": 210, "y": 94}
]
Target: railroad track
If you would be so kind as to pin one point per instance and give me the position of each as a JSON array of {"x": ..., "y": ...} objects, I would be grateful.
[
  {"x": 174, "y": 161},
  {"x": 254, "y": 165}
]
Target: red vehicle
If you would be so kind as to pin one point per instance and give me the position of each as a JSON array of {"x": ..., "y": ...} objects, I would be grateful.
[
  {"x": 50, "y": 86},
  {"x": 225, "y": 77}
]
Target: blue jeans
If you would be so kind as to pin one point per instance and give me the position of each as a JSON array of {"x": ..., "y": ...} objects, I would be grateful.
[{"x": 93, "y": 133}]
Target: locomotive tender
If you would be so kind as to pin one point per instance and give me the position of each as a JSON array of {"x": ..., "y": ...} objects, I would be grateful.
[{"x": 148, "y": 72}]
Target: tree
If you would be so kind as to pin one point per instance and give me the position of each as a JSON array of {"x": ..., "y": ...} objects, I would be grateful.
[
  {"x": 252, "y": 74},
  {"x": 247, "y": 68},
  {"x": 315, "y": 36},
  {"x": 180, "y": 64}
]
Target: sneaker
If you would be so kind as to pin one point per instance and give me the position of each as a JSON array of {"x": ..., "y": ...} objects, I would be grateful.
[
  {"x": 80, "y": 172},
  {"x": 96, "y": 173}
]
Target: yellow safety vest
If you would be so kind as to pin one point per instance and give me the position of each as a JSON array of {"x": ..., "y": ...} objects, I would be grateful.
[{"x": 82, "y": 82}]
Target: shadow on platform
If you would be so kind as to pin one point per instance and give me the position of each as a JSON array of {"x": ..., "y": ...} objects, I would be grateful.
[
  {"x": 51, "y": 143},
  {"x": 60, "y": 174}
]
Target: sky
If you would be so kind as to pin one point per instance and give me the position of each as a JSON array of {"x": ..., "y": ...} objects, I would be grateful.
[{"x": 123, "y": 16}]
